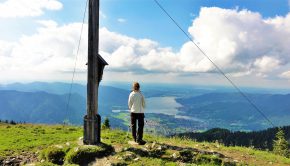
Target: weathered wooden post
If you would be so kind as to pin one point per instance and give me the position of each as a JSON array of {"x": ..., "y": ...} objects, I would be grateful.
[{"x": 92, "y": 121}]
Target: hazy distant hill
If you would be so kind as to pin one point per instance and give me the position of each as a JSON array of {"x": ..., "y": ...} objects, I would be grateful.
[
  {"x": 40, "y": 107},
  {"x": 231, "y": 110},
  {"x": 54, "y": 87},
  {"x": 46, "y": 102}
]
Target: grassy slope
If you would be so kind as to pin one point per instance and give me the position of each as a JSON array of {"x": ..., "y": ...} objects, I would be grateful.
[{"x": 16, "y": 139}]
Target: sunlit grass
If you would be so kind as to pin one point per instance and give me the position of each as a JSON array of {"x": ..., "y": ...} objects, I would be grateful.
[
  {"x": 15, "y": 139},
  {"x": 27, "y": 137}
]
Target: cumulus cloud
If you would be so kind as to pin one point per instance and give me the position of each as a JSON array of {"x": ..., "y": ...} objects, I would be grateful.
[
  {"x": 127, "y": 53},
  {"x": 48, "y": 53},
  {"x": 47, "y": 23},
  {"x": 285, "y": 74},
  {"x": 25, "y": 8},
  {"x": 240, "y": 42},
  {"x": 267, "y": 63}
]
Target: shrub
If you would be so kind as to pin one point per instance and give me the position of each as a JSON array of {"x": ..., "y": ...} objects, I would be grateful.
[
  {"x": 54, "y": 155},
  {"x": 210, "y": 159},
  {"x": 106, "y": 124},
  {"x": 186, "y": 155},
  {"x": 87, "y": 153},
  {"x": 280, "y": 144}
]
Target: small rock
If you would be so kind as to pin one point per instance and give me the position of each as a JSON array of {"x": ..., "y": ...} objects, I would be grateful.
[
  {"x": 59, "y": 146},
  {"x": 159, "y": 148},
  {"x": 202, "y": 152},
  {"x": 219, "y": 155},
  {"x": 129, "y": 156},
  {"x": 136, "y": 159},
  {"x": 174, "y": 155},
  {"x": 217, "y": 146},
  {"x": 23, "y": 163}
]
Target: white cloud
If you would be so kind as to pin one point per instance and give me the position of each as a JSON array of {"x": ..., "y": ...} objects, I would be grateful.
[
  {"x": 285, "y": 74},
  {"x": 47, "y": 54},
  {"x": 239, "y": 42},
  {"x": 267, "y": 63},
  {"x": 121, "y": 20},
  {"x": 25, "y": 8},
  {"x": 242, "y": 41},
  {"x": 47, "y": 23}
]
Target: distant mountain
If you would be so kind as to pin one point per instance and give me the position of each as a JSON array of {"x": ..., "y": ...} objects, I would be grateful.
[
  {"x": 231, "y": 110},
  {"x": 40, "y": 102},
  {"x": 257, "y": 139},
  {"x": 54, "y": 87},
  {"x": 108, "y": 95},
  {"x": 40, "y": 107},
  {"x": 201, "y": 109}
]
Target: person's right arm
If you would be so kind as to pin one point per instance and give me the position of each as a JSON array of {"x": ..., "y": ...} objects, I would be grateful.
[{"x": 130, "y": 102}]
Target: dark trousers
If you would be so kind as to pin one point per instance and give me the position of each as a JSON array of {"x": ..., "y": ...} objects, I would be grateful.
[{"x": 140, "y": 118}]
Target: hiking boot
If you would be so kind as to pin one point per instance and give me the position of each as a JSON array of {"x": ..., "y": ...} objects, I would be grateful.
[{"x": 141, "y": 142}]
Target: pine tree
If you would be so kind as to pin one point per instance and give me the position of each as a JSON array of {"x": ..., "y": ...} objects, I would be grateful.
[
  {"x": 280, "y": 144},
  {"x": 106, "y": 124},
  {"x": 12, "y": 122}
]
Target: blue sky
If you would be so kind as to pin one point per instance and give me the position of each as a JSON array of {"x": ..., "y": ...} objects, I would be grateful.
[{"x": 247, "y": 39}]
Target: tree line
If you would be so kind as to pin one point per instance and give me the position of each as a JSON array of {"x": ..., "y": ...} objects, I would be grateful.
[
  {"x": 12, "y": 122},
  {"x": 264, "y": 140}
]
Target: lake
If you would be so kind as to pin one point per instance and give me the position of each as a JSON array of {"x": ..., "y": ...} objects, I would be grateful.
[{"x": 163, "y": 105}]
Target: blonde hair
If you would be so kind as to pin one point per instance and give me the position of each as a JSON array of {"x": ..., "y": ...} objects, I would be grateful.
[{"x": 136, "y": 86}]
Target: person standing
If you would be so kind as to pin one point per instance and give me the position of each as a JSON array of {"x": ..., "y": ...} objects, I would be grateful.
[{"x": 136, "y": 103}]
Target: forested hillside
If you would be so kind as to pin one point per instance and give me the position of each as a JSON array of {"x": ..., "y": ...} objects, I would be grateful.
[{"x": 257, "y": 139}]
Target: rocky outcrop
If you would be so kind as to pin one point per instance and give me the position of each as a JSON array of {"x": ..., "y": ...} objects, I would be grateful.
[{"x": 21, "y": 159}]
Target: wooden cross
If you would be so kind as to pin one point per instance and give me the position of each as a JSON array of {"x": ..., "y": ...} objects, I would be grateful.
[{"x": 96, "y": 64}]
